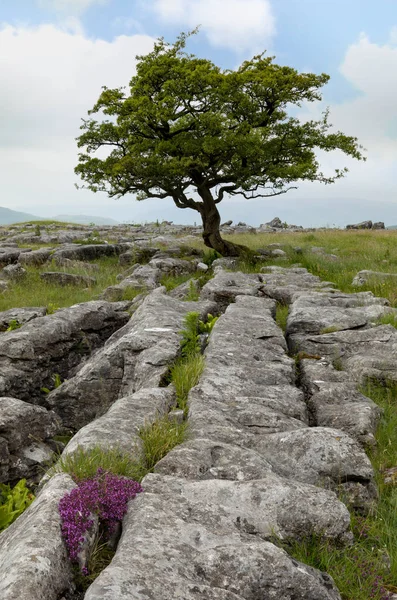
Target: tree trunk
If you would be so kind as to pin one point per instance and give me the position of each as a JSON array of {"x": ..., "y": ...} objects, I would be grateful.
[{"x": 211, "y": 224}]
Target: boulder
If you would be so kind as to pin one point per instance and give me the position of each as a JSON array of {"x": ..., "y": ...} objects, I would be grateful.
[
  {"x": 9, "y": 255},
  {"x": 33, "y": 557},
  {"x": 65, "y": 279},
  {"x": 25, "y": 428},
  {"x": 362, "y": 225},
  {"x": 21, "y": 315},
  {"x": 14, "y": 272},
  {"x": 276, "y": 223},
  {"x": 87, "y": 252},
  {"x": 32, "y": 354},
  {"x": 367, "y": 276},
  {"x": 35, "y": 257},
  {"x": 137, "y": 255},
  {"x": 378, "y": 225}
]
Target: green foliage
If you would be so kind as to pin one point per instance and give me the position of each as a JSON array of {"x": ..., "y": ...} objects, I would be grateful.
[
  {"x": 193, "y": 294},
  {"x": 51, "y": 308},
  {"x": 190, "y": 343},
  {"x": 330, "y": 329},
  {"x": 159, "y": 438},
  {"x": 184, "y": 122},
  {"x": 208, "y": 326},
  {"x": 13, "y": 324},
  {"x": 84, "y": 464},
  {"x": 13, "y": 501},
  {"x": 57, "y": 381},
  {"x": 37, "y": 230},
  {"x": 282, "y": 315},
  {"x": 185, "y": 374},
  {"x": 210, "y": 256}
]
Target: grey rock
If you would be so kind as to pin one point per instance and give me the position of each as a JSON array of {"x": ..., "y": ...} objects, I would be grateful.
[
  {"x": 378, "y": 225},
  {"x": 22, "y": 315},
  {"x": 24, "y": 428},
  {"x": 276, "y": 223},
  {"x": 225, "y": 287},
  {"x": 14, "y": 272},
  {"x": 65, "y": 279},
  {"x": 137, "y": 255},
  {"x": 89, "y": 252},
  {"x": 362, "y": 225},
  {"x": 120, "y": 425},
  {"x": 185, "y": 289},
  {"x": 227, "y": 223},
  {"x": 317, "y": 455},
  {"x": 55, "y": 343},
  {"x": 9, "y": 255},
  {"x": 202, "y": 267},
  {"x": 206, "y": 528},
  {"x": 366, "y": 276},
  {"x": 35, "y": 257},
  {"x": 173, "y": 266},
  {"x": 33, "y": 558},
  {"x": 278, "y": 253},
  {"x": 137, "y": 357}
]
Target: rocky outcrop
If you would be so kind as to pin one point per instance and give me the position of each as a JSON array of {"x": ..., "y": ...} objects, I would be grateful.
[
  {"x": 271, "y": 449},
  {"x": 20, "y": 315},
  {"x": 138, "y": 356},
  {"x": 24, "y": 431},
  {"x": 366, "y": 276},
  {"x": 54, "y": 344},
  {"x": 33, "y": 559}
]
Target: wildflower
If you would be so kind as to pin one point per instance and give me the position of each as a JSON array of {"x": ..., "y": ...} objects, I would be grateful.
[{"x": 104, "y": 496}]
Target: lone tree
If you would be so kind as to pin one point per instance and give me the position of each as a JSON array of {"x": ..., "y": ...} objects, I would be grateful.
[{"x": 193, "y": 132}]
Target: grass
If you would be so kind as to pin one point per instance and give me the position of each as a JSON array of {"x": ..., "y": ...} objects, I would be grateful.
[
  {"x": 185, "y": 374},
  {"x": 282, "y": 315},
  {"x": 159, "y": 438},
  {"x": 33, "y": 291},
  {"x": 356, "y": 251},
  {"x": 366, "y": 570}
]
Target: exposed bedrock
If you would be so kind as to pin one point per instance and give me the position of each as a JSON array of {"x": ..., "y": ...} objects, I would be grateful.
[
  {"x": 271, "y": 451},
  {"x": 34, "y": 564},
  {"x": 25, "y": 440},
  {"x": 138, "y": 356},
  {"x": 54, "y": 344}
]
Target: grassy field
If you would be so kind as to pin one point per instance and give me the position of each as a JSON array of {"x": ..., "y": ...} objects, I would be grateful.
[
  {"x": 33, "y": 291},
  {"x": 356, "y": 251}
]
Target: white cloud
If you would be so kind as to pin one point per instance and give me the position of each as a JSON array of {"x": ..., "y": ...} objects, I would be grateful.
[
  {"x": 71, "y": 7},
  {"x": 241, "y": 25},
  {"x": 49, "y": 78}
]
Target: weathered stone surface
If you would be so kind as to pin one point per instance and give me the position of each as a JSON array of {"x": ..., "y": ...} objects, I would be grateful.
[
  {"x": 56, "y": 343},
  {"x": 205, "y": 530},
  {"x": 64, "y": 279},
  {"x": 202, "y": 458},
  {"x": 225, "y": 287},
  {"x": 366, "y": 276},
  {"x": 9, "y": 255},
  {"x": 362, "y": 225},
  {"x": 137, "y": 255},
  {"x": 25, "y": 427},
  {"x": 14, "y": 272},
  {"x": 314, "y": 312},
  {"x": 136, "y": 358},
  {"x": 363, "y": 353},
  {"x": 173, "y": 266},
  {"x": 336, "y": 402},
  {"x": 184, "y": 290},
  {"x": 282, "y": 284},
  {"x": 317, "y": 455},
  {"x": 35, "y": 257},
  {"x": 89, "y": 251},
  {"x": 33, "y": 558},
  {"x": 22, "y": 315},
  {"x": 378, "y": 225},
  {"x": 120, "y": 425}
]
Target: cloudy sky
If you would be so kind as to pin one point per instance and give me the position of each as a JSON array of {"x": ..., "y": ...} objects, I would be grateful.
[{"x": 56, "y": 54}]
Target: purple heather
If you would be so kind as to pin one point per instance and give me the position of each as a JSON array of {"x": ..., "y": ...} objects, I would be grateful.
[{"x": 105, "y": 495}]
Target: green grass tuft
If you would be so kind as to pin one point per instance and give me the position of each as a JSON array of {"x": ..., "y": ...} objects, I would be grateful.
[
  {"x": 282, "y": 315},
  {"x": 185, "y": 374}
]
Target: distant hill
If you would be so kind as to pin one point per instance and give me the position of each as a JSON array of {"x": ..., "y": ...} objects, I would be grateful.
[
  {"x": 11, "y": 217},
  {"x": 8, "y": 216},
  {"x": 85, "y": 219}
]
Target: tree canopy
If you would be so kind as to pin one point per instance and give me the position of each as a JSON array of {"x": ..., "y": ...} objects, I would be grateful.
[{"x": 188, "y": 130}]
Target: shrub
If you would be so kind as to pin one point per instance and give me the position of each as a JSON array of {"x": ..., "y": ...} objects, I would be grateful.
[{"x": 13, "y": 501}]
